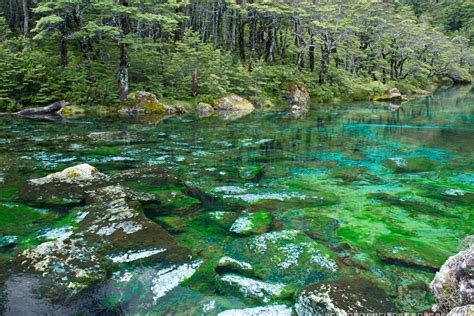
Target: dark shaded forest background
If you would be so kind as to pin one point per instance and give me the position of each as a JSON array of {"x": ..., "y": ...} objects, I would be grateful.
[{"x": 95, "y": 52}]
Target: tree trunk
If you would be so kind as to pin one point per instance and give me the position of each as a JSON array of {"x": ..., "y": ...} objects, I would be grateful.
[
  {"x": 63, "y": 60},
  {"x": 311, "y": 54},
  {"x": 194, "y": 88},
  {"x": 123, "y": 65},
  {"x": 123, "y": 72},
  {"x": 324, "y": 65},
  {"x": 26, "y": 17}
]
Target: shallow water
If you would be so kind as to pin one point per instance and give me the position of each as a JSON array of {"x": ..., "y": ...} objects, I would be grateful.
[{"x": 348, "y": 192}]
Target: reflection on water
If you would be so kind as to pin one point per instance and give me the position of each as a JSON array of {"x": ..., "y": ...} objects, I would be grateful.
[{"x": 354, "y": 191}]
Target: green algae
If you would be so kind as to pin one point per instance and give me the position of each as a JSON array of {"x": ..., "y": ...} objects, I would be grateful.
[{"x": 384, "y": 198}]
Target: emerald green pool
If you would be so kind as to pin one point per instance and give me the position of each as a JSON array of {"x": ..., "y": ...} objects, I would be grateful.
[{"x": 375, "y": 193}]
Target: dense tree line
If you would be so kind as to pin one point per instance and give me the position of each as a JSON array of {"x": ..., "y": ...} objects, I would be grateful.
[{"x": 97, "y": 51}]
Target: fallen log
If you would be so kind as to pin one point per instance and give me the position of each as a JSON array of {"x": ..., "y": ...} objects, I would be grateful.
[{"x": 53, "y": 108}]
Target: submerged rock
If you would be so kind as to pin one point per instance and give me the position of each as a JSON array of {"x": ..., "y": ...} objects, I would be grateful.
[
  {"x": 252, "y": 289},
  {"x": 111, "y": 230},
  {"x": 418, "y": 164},
  {"x": 252, "y": 223},
  {"x": 341, "y": 298},
  {"x": 453, "y": 285},
  {"x": 272, "y": 310},
  {"x": 288, "y": 257},
  {"x": 234, "y": 103},
  {"x": 65, "y": 186},
  {"x": 400, "y": 250}
]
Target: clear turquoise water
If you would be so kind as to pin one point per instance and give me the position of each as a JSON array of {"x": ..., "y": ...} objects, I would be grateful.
[{"x": 385, "y": 195}]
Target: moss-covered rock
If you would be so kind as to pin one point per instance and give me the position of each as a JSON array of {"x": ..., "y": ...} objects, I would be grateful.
[
  {"x": 234, "y": 103},
  {"x": 204, "y": 108},
  {"x": 288, "y": 257},
  {"x": 142, "y": 102},
  {"x": 394, "y": 95},
  {"x": 416, "y": 164},
  {"x": 312, "y": 223}
]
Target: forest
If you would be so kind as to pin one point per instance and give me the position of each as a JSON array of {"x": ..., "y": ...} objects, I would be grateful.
[{"x": 95, "y": 52}]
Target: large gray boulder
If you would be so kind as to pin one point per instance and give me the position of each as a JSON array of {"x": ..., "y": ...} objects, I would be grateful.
[
  {"x": 234, "y": 103},
  {"x": 298, "y": 97},
  {"x": 453, "y": 285}
]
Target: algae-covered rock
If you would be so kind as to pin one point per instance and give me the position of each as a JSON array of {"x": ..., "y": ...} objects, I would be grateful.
[
  {"x": 453, "y": 285},
  {"x": 288, "y": 257},
  {"x": 252, "y": 223},
  {"x": 111, "y": 230},
  {"x": 142, "y": 102},
  {"x": 228, "y": 264},
  {"x": 417, "y": 164},
  {"x": 400, "y": 250},
  {"x": 63, "y": 187},
  {"x": 298, "y": 97},
  {"x": 341, "y": 298},
  {"x": 234, "y": 103},
  {"x": 251, "y": 289},
  {"x": 312, "y": 223},
  {"x": 270, "y": 310}
]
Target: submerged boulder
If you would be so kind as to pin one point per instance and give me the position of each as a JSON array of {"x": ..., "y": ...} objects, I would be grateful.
[
  {"x": 63, "y": 187},
  {"x": 288, "y": 257},
  {"x": 298, "y": 97},
  {"x": 453, "y": 285},
  {"x": 142, "y": 102},
  {"x": 342, "y": 297},
  {"x": 411, "y": 164},
  {"x": 234, "y": 103},
  {"x": 397, "y": 249}
]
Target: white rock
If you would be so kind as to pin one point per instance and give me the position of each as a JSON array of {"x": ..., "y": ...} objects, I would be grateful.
[{"x": 254, "y": 288}]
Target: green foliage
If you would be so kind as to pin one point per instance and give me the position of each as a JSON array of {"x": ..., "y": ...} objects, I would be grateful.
[{"x": 202, "y": 50}]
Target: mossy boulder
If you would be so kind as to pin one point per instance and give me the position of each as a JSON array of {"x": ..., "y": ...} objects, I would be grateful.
[
  {"x": 64, "y": 187},
  {"x": 204, "y": 108},
  {"x": 234, "y": 103},
  {"x": 342, "y": 297},
  {"x": 416, "y": 164},
  {"x": 142, "y": 102},
  {"x": 458, "y": 75}
]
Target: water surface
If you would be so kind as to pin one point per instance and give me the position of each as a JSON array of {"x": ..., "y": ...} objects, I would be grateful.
[{"x": 352, "y": 191}]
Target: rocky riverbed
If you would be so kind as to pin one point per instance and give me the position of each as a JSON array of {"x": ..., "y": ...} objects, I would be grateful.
[{"x": 347, "y": 209}]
